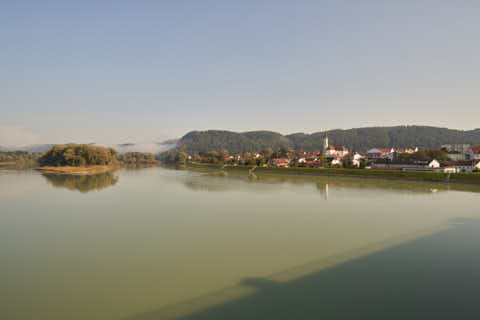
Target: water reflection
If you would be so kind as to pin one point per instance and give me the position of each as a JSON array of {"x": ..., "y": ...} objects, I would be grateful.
[
  {"x": 82, "y": 183},
  {"x": 152, "y": 245},
  {"x": 219, "y": 181},
  {"x": 19, "y": 165}
]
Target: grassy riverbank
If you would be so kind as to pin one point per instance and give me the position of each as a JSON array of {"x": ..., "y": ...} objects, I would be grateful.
[{"x": 473, "y": 178}]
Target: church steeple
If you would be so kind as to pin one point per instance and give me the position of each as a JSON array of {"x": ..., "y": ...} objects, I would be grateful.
[{"x": 325, "y": 142}]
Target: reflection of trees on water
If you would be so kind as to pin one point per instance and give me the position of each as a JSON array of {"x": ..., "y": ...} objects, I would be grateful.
[
  {"x": 82, "y": 183},
  {"x": 19, "y": 165},
  {"x": 213, "y": 180},
  {"x": 138, "y": 166}
]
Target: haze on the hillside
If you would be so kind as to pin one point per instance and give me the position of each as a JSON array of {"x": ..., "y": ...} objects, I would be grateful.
[{"x": 112, "y": 72}]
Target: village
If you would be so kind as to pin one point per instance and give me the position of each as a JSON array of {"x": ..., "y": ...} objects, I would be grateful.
[{"x": 450, "y": 158}]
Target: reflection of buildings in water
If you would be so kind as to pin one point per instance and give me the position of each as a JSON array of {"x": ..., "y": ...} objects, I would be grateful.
[
  {"x": 217, "y": 181},
  {"x": 82, "y": 183},
  {"x": 323, "y": 189}
]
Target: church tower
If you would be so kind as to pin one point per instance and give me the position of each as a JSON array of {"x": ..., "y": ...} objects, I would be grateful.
[{"x": 325, "y": 142}]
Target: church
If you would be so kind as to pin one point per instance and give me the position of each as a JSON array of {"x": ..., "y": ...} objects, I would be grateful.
[{"x": 333, "y": 152}]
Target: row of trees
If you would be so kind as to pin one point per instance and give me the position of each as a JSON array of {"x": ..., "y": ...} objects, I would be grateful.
[
  {"x": 137, "y": 158},
  {"x": 80, "y": 155},
  {"x": 423, "y": 155},
  {"x": 22, "y": 156}
]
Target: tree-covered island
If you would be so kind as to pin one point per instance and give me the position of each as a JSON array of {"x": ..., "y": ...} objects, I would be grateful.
[{"x": 83, "y": 158}]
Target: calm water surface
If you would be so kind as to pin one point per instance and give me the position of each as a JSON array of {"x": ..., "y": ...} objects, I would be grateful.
[{"x": 160, "y": 243}]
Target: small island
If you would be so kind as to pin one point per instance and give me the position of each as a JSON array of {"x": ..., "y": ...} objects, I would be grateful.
[{"x": 78, "y": 159}]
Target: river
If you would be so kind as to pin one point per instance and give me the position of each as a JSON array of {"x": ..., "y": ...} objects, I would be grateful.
[{"x": 161, "y": 243}]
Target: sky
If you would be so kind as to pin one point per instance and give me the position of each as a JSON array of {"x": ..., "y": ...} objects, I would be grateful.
[{"x": 137, "y": 71}]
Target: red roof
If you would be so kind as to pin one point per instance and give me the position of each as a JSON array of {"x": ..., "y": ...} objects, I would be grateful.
[
  {"x": 382, "y": 150},
  {"x": 279, "y": 161},
  {"x": 337, "y": 148},
  {"x": 476, "y": 149}
]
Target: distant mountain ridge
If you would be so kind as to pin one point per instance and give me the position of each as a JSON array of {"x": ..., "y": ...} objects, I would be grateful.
[
  {"x": 31, "y": 148},
  {"x": 152, "y": 147},
  {"x": 358, "y": 139}
]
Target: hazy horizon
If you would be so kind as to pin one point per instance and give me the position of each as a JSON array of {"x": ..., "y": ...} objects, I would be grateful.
[
  {"x": 116, "y": 72},
  {"x": 145, "y": 145}
]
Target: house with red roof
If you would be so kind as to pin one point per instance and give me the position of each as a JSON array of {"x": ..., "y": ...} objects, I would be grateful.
[
  {"x": 473, "y": 153},
  {"x": 281, "y": 162},
  {"x": 336, "y": 151}
]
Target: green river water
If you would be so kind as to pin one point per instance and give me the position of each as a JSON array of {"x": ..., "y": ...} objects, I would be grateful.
[{"x": 160, "y": 243}]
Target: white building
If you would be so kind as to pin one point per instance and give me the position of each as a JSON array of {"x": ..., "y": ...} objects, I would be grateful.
[
  {"x": 336, "y": 162},
  {"x": 379, "y": 153},
  {"x": 357, "y": 158},
  {"x": 434, "y": 164},
  {"x": 450, "y": 170},
  {"x": 332, "y": 151}
]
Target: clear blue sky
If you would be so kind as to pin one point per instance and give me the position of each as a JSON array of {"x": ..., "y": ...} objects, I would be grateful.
[{"x": 117, "y": 71}]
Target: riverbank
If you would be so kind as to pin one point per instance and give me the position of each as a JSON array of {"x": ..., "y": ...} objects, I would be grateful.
[
  {"x": 7, "y": 163},
  {"x": 470, "y": 178},
  {"x": 76, "y": 170}
]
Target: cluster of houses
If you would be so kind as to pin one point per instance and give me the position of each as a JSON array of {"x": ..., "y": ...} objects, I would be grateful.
[
  {"x": 334, "y": 155},
  {"x": 463, "y": 158}
]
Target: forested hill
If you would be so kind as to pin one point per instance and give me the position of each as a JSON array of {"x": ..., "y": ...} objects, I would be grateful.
[
  {"x": 234, "y": 142},
  {"x": 359, "y": 139}
]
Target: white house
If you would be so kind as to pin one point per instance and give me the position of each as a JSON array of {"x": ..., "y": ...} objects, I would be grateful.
[
  {"x": 407, "y": 150},
  {"x": 332, "y": 151},
  {"x": 357, "y": 158},
  {"x": 336, "y": 162},
  {"x": 450, "y": 170},
  {"x": 434, "y": 164}
]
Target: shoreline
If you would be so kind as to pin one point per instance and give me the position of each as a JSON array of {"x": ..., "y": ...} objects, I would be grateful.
[
  {"x": 8, "y": 163},
  {"x": 76, "y": 170},
  {"x": 437, "y": 177}
]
